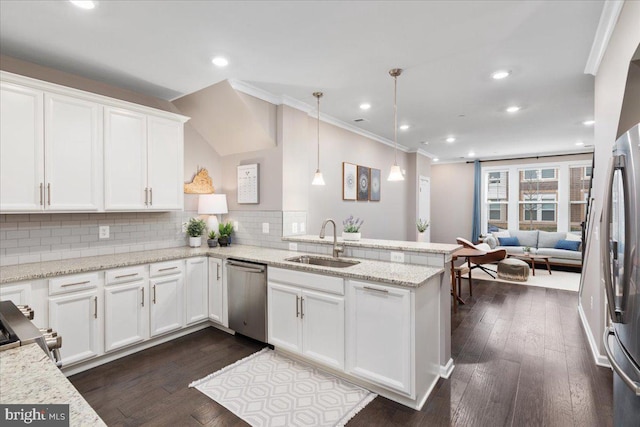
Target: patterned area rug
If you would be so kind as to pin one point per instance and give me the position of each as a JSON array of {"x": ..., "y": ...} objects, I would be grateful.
[
  {"x": 563, "y": 280},
  {"x": 268, "y": 389}
]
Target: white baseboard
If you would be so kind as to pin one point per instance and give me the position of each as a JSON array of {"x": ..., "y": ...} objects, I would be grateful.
[
  {"x": 446, "y": 370},
  {"x": 599, "y": 359}
]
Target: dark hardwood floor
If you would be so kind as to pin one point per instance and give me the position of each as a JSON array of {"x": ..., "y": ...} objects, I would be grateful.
[{"x": 520, "y": 353}]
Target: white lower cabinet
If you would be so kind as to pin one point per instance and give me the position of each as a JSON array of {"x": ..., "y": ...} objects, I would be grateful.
[
  {"x": 306, "y": 321},
  {"x": 126, "y": 312},
  {"x": 166, "y": 297},
  {"x": 379, "y": 330},
  {"x": 196, "y": 291},
  {"x": 217, "y": 293},
  {"x": 75, "y": 317}
]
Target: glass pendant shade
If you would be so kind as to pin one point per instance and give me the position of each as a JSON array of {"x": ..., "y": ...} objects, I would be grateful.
[
  {"x": 317, "y": 178},
  {"x": 395, "y": 174}
]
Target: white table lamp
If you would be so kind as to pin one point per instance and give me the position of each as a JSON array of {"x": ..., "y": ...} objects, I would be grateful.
[{"x": 212, "y": 205}]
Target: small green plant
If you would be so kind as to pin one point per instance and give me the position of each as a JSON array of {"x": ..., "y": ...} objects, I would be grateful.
[
  {"x": 225, "y": 229},
  {"x": 526, "y": 249},
  {"x": 212, "y": 235},
  {"x": 195, "y": 227},
  {"x": 422, "y": 225},
  {"x": 352, "y": 226}
]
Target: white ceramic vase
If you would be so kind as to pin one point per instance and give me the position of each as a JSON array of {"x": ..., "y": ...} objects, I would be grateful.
[
  {"x": 350, "y": 236},
  {"x": 195, "y": 242}
]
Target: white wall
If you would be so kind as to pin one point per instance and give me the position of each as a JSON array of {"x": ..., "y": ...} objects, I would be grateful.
[
  {"x": 451, "y": 201},
  {"x": 609, "y": 92}
]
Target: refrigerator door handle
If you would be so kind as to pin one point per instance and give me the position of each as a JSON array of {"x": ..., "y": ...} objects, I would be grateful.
[
  {"x": 605, "y": 247},
  {"x": 634, "y": 386}
]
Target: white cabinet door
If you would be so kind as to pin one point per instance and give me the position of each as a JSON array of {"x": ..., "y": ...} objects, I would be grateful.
[
  {"x": 73, "y": 167},
  {"x": 19, "y": 294},
  {"x": 75, "y": 317},
  {"x": 196, "y": 287},
  {"x": 125, "y": 160},
  {"x": 126, "y": 315},
  {"x": 379, "y": 335},
  {"x": 284, "y": 326},
  {"x": 323, "y": 328},
  {"x": 166, "y": 304},
  {"x": 217, "y": 294},
  {"x": 165, "y": 165},
  {"x": 21, "y": 149}
]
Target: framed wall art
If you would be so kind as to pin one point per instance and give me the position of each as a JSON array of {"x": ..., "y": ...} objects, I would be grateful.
[
  {"x": 349, "y": 181},
  {"x": 363, "y": 183},
  {"x": 248, "y": 184},
  {"x": 374, "y": 184}
]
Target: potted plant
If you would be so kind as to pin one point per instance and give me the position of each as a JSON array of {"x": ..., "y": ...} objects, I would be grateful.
[
  {"x": 211, "y": 241},
  {"x": 195, "y": 229},
  {"x": 351, "y": 228},
  {"x": 422, "y": 227},
  {"x": 225, "y": 231}
]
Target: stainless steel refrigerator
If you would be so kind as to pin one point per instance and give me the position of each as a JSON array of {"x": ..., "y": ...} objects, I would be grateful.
[{"x": 620, "y": 239}]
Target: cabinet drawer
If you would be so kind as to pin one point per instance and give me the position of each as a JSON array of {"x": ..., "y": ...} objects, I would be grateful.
[
  {"x": 124, "y": 275},
  {"x": 302, "y": 279},
  {"x": 165, "y": 268},
  {"x": 77, "y": 282}
]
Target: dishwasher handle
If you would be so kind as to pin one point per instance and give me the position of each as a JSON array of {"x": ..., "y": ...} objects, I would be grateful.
[{"x": 243, "y": 266}]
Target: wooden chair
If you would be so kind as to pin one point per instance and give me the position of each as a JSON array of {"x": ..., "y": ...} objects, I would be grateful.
[
  {"x": 491, "y": 257},
  {"x": 460, "y": 270}
]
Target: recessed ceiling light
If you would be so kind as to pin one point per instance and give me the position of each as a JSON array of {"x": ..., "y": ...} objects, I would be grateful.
[
  {"x": 365, "y": 106},
  {"x": 513, "y": 109},
  {"x": 451, "y": 139},
  {"x": 83, "y": 4},
  {"x": 220, "y": 61},
  {"x": 500, "y": 74},
  {"x": 589, "y": 122},
  {"x": 404, "y": 127},
  {"x": 471, "y": 154},
  {"x": 580, "y": 143},
  {"x": 425, "y": 142},
  {"x": 436, "y": 159}
]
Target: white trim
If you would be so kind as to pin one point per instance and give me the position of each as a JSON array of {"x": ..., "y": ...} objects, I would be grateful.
[
  {"x": 421, "y": 152},
  {"x": 599, "y": 359},
  {"x": 608, "y": 19},
  {"x": 446, "y": 370},
  {"x": 255, "y": 92}
]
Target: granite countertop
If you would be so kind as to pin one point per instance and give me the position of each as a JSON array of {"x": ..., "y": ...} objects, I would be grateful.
[
  {"x": 29, "y": 376},
  {"x": 398, "y": 245},
  {"x": 400, "y": 274}
]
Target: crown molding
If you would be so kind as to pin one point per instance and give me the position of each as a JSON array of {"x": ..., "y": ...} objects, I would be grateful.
[
  {"x": 423, "y": 153},
  {"x": 608, "y": 19}
]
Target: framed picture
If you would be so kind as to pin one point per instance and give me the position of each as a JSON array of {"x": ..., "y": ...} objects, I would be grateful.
[
  {"x": 248, "y": 184},
  {"x": 363, "y": 183},
  {"x": 374, "y": 183},
  {"x": 349, "y": 181}
]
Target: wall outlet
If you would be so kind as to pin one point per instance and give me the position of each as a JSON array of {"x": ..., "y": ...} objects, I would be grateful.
[
  {"x": 293, "y": 246},
  {"x": 294, "y": 227},
  {"x": 103, "y": 232},
  {"x": 265, "y": 227},
  {"x": 396, "y": 256},
  {"x": 303, "y": 227},
  {"x": 235, "y": 225}
]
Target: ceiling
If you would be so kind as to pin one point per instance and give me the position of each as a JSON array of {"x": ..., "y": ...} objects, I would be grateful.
[{"x": 448, "y": 50}]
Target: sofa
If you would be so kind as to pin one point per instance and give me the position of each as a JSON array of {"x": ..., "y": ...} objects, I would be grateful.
[{"x": 562, "y": 248}]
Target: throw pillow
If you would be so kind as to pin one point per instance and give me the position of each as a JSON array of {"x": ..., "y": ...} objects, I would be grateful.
[
  {"x": 491, "y": 241},
  {"x": 508, "y": 241},
  {"x": 569, "y": 245}
]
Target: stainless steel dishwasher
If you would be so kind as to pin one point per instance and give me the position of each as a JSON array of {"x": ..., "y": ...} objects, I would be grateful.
[{"x": 247, "y": 290}]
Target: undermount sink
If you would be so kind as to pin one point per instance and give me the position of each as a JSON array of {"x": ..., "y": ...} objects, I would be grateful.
[{"x": 325, "y": 262}]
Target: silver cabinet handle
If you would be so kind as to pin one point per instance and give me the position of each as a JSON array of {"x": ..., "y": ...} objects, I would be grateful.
[
  {"x": 126, "y": 275},
  {"x": 142, "y": 289},
  {"x": 297, "y": 307},
  {"x": 634, "y": 386},
  {"x": 150, "y": 196},
  {"x": 154, "y": 294},
  {"x": 218, "y": 271},
  {"x": 168, "y": 268},
  {"x": 75, "y": 284},
  {"x": 41, "y": 193},
  {"x": 95, "y": 307},
  {"x": 384, "y": 291},
  {"x": 49, "y": 194},
  {"x": 301, "y": 308},
  {"x": 146, "y": 196}
]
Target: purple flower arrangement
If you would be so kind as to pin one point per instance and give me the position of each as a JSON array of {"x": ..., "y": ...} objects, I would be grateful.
[{"x": 352, "y": 226}]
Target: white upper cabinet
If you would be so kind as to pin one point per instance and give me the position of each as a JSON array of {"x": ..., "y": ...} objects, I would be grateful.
[
  {"x": 21, "y": 148},
  {"x": 125, "y": 160},
  {"x": 66, "y": 150},
  {"x": 73, "y": 167}
]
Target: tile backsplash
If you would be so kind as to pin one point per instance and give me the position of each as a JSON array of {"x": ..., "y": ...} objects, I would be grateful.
[{"x": 250, "y": 229}]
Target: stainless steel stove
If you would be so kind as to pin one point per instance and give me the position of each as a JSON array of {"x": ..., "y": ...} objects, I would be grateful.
[{"x": 16, "y": 329}]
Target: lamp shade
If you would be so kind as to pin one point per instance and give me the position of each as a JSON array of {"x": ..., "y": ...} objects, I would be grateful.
[{"x": 212, "y": 204}]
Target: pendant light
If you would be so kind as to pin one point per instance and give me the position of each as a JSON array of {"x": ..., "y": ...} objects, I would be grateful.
[
  {"x": 396, "y": 173},
  {"x": 317, "y": 178}
]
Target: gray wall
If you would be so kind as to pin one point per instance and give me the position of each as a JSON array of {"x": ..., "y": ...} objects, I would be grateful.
[
  {"x": 451, "y": 201},
  {"x": 609, "y": 92}
]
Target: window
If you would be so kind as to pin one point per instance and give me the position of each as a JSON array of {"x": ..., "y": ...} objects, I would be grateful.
[
  {"x": 497, "y": 200},
  {"x": 579, "y": 181}
]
